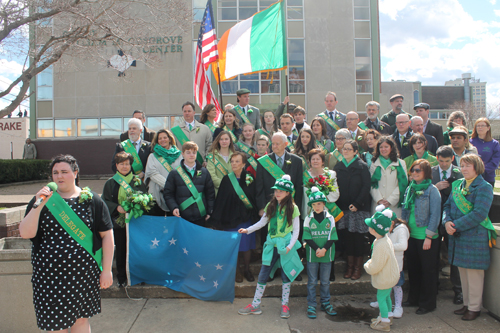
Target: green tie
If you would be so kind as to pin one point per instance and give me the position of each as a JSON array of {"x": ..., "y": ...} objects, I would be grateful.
[
  {"x": 191, "y": 171},
  {"x": 444, "y": 175},
  {"x": 280, "y": 162},
  {"x": 190, "y": 127},
  {"x": 353, "y": 135}
]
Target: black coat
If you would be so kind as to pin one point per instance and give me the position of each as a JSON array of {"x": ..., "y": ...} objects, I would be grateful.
[
  {"x": 144, "y": 152},
  {"x": 176, "y": 192},
  {"x": 432, "y": 144},
  {"x": 436, "y": 131},
  {"x": 146, "y": 135},
  {"x": 264, "y": 180},
  {"x": 236, "y": 132},
  {"x": 354, "y": 184},
  {"x": 383, "y": 128},
  {"x": 404, "y": 152},
  {"x": 229, "y": 210},
  {"x": 436, "y": 178}
]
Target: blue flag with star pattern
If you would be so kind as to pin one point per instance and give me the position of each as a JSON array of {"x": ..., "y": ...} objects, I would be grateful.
[{"x": 177, "y": 254}]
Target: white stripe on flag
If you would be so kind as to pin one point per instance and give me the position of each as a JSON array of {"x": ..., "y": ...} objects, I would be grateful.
[{"x": 238, "y": 49}]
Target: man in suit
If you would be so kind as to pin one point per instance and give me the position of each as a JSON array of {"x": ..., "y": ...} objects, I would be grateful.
[
  {"x": 397, "y": 108},
  {"x": 147, "y": 134},
  {"x": 402, "y": 135},
  {"x": 372, "y": 121},
  {"x": 142, "y": 147},
  {"x": 417, "y": 126},
  {"x": 443, "y": 175},
  {"x": 332, "y": 113},
  {"x": 243, "y": 107},
  {"x": 194, "y": 131},
  {"x": 357, "y": 134},
  {"x": 286, "y": 124},
  {"x": 431, "y": 128}
]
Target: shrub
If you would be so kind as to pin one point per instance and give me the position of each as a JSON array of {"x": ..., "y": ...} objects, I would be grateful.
[{"x": 23, "y": 170}]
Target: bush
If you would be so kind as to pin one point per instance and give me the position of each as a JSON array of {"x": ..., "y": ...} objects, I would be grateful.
[{"x": 23, "y": 170}]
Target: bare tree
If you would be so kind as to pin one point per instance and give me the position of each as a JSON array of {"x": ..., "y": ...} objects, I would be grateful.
[
  {"x": 471, "y": 113},
  {"x": 69, "y": 31}
]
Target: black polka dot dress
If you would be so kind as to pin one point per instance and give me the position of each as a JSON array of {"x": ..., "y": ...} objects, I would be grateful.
[{"x": 65, "y": 276}]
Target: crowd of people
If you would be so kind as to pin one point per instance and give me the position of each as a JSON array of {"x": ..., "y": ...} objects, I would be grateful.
[{"x": 397, "y": 189}]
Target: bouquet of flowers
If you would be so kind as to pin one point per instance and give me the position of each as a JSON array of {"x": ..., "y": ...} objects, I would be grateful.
[
  {"x": 323, "y": 183},
  {"x": 135, "y": 205}
]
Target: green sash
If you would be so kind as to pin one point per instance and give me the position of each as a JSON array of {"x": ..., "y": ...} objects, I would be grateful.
[
  {"x": 244, "y": 148},
  {"x": 466, "y": 207},
  {"x": 294, "y": 131},
  {"x": 196, "y": 196},
  {"x": 210, "y": 126},
  {"x": 289, "y": 145},
  {"x": 73, "y": 225},
  {"x": 271, "y": 167},
  {"x": 338, "y": 155},
  {"x": 217, "y": 163},
  {"x": 262, "y": 132},
  {"x": 235, "y": 139},
  {"x": 363, "y": 126},
  {"x": 329, "y": 121},
  {"x": 179, "y": 134},
  {"x": 322, "y": 146},
  {"x": 305, "y": 175},
  {"x": 163, "y": 162},
  {"x": 239, "y": 191},
  {"x": 123, "y": 183},
  {"x": 242, "y": 114},
  {"x": 129, "y": 148}
]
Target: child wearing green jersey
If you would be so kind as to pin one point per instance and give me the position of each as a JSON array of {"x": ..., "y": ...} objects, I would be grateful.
[{"x": 319, "y": 236}]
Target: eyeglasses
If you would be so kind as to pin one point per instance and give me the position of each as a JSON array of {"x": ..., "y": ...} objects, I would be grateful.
[
  {"x": 401, "y": 122},
  {"x": 416, "y": 170},
  {"x": 352, "y": 119},
  {"x": 347, "y": 149},
  {"x": 481, "y": 126},
  {"x": 339, "y": 139}
]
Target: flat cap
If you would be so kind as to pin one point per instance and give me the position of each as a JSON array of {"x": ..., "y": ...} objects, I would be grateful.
[
  {"x": 422, "y": 105},
  {"x": 458, "y": 130},
  {"x": 243, "y": 92},
  {"x": 396, "y": 96}
]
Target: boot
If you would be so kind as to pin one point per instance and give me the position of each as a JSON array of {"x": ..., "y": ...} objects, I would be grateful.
[
  {"x": 349, "y": 267},
  {"x": 358, "y": 266}
]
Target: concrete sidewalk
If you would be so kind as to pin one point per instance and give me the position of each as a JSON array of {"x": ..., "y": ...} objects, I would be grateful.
[{"x": 191, "y": 315}]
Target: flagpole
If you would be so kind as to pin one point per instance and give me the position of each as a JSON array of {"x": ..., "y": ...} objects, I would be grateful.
[{"x": 220, "y": 89}]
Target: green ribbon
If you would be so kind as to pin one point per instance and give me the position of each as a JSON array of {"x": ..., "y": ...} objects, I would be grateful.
[
  {"x": 329, "y": 121},
  {"x": 338, "y": 155},
  {"x": 129, "y": 148},
  {"x": 217, "y": 164},
  {"x": 401, "y": 176},
  {"x": 251, "y": 159},
  {"x": 235, "y": 139},
  {"x": 163, "y": 162},
  {"x": 412, "y": 192},
  {"x": 271, "y": 167},
  {"x": 134, "y": 208},
  {"x": 242, "y": 114},
  {"x": 181, "y": 136},
  {"x": 120, "y": 179},
  {"x": 239, "y": 191},
  {"x": 196, "y": 196},
  {"x": 322, "y": 146},
  {"x": 170, "y": 155},
  {"x": 210, "y": 126},
  {"x": 363, "y": 126},
  {"x": 73, "y": 225}
]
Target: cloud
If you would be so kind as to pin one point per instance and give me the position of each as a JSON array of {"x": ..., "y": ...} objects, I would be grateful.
[
  {"x": 493, "y": 2},
  {"x": 10, "y": 67},
  {"x": 497, "y": 12}
]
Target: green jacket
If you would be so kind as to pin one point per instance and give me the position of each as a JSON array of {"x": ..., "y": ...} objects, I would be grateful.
[{"x": 289, "y": 262}]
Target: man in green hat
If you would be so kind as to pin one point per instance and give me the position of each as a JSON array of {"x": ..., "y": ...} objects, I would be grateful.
[{"x": 246, "y": 112}]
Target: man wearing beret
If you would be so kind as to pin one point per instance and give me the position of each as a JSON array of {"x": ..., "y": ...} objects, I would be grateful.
[
  {"x": 397, "y": 108},
  {"x": 431, "y": 128},
  {"x": 246, "y": 112}
]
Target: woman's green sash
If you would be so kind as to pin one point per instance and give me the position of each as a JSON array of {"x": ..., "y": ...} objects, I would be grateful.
[
  {"x": 235, "y": 139},
  {"x": 247, "y": 150},
  {"x": 210, "y": 126},
  {"x": 123, "y": 183},
  {"x": 163, "y": 162},
  {"x": 217, "y": 163},
  {"x": 181, "y": 136},
  {"x": 73, "y": 225},
  {"x": 262, "y": 132},
  {"x": 129, "y": 148},
  {"x": 196, "y": 196},
  {"x": 322, "y": 146},
  {"x": 466, "y": 207},
  {"x": 305, "y": 175},
  {"x": 239, "y": 191},
  {"x": 338, "y": 155}
]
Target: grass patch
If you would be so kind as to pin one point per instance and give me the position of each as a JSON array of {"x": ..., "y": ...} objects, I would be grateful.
[{"x": 495, "y": 189}]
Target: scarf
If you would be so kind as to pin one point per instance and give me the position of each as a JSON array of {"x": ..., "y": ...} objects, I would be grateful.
[
  {"x": 401, "y": 176},
  {"x": 170, "y": 155},
  {"x": 349, "y": 163},
  {"x": 425, "y": 156},
  {"x": 122, "y": 194},
  {"x": 384, "y": 161},
  {"x": 413, "y": 188}
]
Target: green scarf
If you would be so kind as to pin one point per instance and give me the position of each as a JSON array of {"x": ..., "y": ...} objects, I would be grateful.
[
  {"x": 384, "y": 161},
  {"x": 413, "y": 188},
  {"x": 401, "y": 175},
  {"x": 170, "y": 155},
  {"x": 346, "y": 163},
  {"x": 122, "y": 194},
  {"x": 425, "y": 156}
]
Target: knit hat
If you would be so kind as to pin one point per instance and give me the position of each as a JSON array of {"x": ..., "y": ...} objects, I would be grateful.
[
  {"x": 316, "y": 196},
  {"x": 381, "y": 221},
  {"x": 284, "y": 184}
]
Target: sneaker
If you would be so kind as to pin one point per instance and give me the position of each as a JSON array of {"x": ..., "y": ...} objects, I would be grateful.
[
  {"x": 374, "y": 305},
  {"x": 250, "y": 310},
  {"x": 379, "y": 325},
  {"x": 285, "y": 312},
  {"x": 398, "y": 312},
  {"x": 328, "y": 308},
  {"x": 380, "y": 318},
  {"x": 311, "y": 312}
]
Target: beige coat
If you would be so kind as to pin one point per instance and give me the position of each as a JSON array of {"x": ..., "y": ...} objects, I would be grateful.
[
  {"x": 388, "y": 188},
  {"x": 200, "y": 134},
  {"x": 383, "y": 266}
]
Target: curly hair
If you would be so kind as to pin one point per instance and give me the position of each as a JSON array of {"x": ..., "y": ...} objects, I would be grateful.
[
  {"x": 393, "y": 156},
  {"x": 73, "y": 163}
]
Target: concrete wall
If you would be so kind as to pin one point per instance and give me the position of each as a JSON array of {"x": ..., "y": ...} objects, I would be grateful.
[{"x": 15, "y": 130}]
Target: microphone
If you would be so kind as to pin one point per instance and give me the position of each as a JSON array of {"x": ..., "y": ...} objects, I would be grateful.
[{"x": 53, "y": 187}]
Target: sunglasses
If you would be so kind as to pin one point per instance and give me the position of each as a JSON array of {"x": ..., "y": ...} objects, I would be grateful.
[{"x": 416, "y": 170}]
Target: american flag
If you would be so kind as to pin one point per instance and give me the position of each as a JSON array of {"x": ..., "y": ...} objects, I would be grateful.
[{"x": 206, "y": 53}]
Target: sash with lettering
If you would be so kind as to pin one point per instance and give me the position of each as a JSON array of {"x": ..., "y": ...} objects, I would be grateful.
[
  {"x": 196, "y": 198},
  {"x": 263, "y": 132},
  {"x": 163, "y": 162},
  {"x": 322, "y": 146},
  {"x": 289, "y": 145},
  {"x": 247, "y": 150},
  {"x": 123, "y": 183},
  {"x": 338, "y": 155},
  {"x": 235, "y": 139},
  {"x": 210, "y": 126},
  {"x": 73, "y": 225},
  {"x": 129, "y": 148},
  {"x": 242, "y": 114},
  {"x": 179, "y": 134},
  {"x": 239, "y": 191},
  {"x": 305, "y": 174},
  {"x": 217, "y": 163},
  {"x": 329, "y": 121},
  {"x": 271, "y": 167},
  {"x": 363, "y": 126},
  {"x": 466, "y": 207}
]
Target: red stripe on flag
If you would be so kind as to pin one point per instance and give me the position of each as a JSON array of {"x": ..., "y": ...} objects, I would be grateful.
[{"x": 203, "y": 93}]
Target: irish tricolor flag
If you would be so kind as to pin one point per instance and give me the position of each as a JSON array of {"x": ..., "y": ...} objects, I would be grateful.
[{"x": 257, "y": 44}]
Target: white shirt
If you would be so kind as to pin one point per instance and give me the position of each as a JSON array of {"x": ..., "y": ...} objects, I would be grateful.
[
  {"x": 191, "y": 123},
  {"x": 448, "y": 172},
  {"x": 332, "y": 113},
  {"x": 401, "y": 136},
  {"x": 425, "y": 124},
  {"x": 138, "y": 146},
  {"x": 191, "y": 168},
  {"x": 244, "y": 109},
  {"x": 355, "y": 132}
]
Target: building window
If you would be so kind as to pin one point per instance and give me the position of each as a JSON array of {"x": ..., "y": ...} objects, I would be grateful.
[
  {"x": 111, "y": 126},
  {"x": 362, "y": 47},
  {"x": 88, "y": 127},
  {"x": 64, "y": 127},
  {"x": 199, "y": 9},
  {"x": 44, "y": 84},
  {"x": 296, "y": 66},
  {"x": 158, "y": 123},
  {"x": 45, "y": 128}
]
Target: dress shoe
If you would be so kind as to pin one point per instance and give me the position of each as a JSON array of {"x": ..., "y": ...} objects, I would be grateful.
[
  {"x": 422, "y": 311},
  {"x": 408, "y": 304},
  {"x": 239, "y": 276},
  {"x": 249, "y": 276},
  {"x": 460, "y": 311},
  {"x": 471, "y": 315},
  {"x": 459, "y": 298}
]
